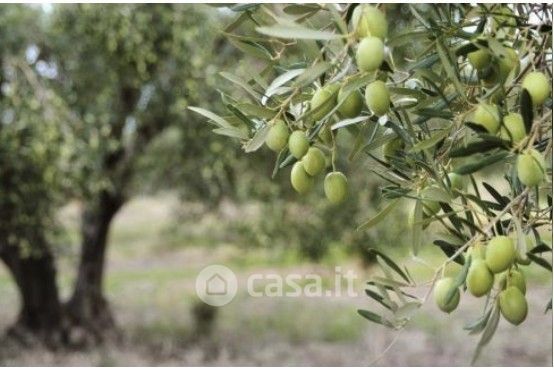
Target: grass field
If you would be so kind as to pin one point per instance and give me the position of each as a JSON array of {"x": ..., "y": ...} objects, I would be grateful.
[{"x": 152, "y": 266}]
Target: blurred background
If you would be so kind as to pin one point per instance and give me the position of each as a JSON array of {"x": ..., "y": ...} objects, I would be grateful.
[{"x": 113, "y": 197}]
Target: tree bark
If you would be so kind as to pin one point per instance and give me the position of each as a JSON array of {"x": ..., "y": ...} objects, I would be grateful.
[
  {"x": 87, "y": 308},
  {"x": 40, "y": 315}
]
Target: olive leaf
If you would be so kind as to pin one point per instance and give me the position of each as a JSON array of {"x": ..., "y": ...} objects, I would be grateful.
[
  {"x": 251, "y": 48},
  {"x": 379, "y": 217},
  {"x": 257, "y": 140},
  {"x": 480, "y": 162},
  {"x": 390, "y": 263},
  {"x": 373, "y": 317},
  {"x": 480, "y": 324},
  {"x": 459, "y": 281},
  {"x": 300, "y": 9},
  {"x": 540, "y": 261},
  {"x": 488, "y": 332},
  {"x": 256, "y": 110},
  {"x": 311, "y": 74},
  {"x": 231, "y": 132},
  {"x": 526, "y": 108},
  {"x": 481, "y": 146},
  {"x": 290, "y": 30},
  {"x": 450, "y": 67},
  {"x": 502, "y": 200},
  {"x": 347, "y": 122},
  {"x": 221, "y": 122},
  {"x": 280, "y": 81},
  {"x": 540, "y": 248},
  {"x": 240, "y": 82},
  {"x": 430, "y": 142},
  {"x": 377, "y": 297}
]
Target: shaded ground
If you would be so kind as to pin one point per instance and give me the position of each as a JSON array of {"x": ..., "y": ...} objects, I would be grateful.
[{"x": 150, "y": 281}]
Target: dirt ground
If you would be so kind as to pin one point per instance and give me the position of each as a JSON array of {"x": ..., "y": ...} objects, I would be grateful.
[{"x": 151, "y": 288}]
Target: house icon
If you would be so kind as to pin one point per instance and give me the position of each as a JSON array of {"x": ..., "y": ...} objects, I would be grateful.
[{"x": 216, "y": 285}]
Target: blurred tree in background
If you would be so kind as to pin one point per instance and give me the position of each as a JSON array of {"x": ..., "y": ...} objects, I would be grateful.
[
  {"x": 36, "y": 153},
  {"x": 85, "y": 91},
  {"x": 127, "y": 72}
]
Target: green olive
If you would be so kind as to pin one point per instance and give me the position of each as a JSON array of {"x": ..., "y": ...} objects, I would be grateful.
[
  {"x": 531, "y": 168},
  {"x": 369, "y": 21},
  {"x": 370, "y": 54},
  {"x": 538, "y": 86},
  {"x": 300, "y": 180},
  {"x": 352, "y": 104},
  {"x": 500, "y": 68},
  {"x": 442, "y": 287},
  {"x": 513, "y": 129},
  {"x": 500, "y": 254},
  {"x": 477, "y": 251},
  {"x": 507, "y": 63},
  {"x": 479, "y": 59},
  {"x": 277, "y": 136},
  {"x": 523, "y": 259},
  {"x": 514, "y": 277},
  {"x": 335, "y": 187},
  {"x": 377, "y": 97},
  {"x": 314, "y": 161},
  {"x": 479, "y": 278},
  {"x": 488, "y": 117},
  {"x": 513, "y": 305},
  {"x": 323, "y": 101},
  {"x": 298, "y": 144}
]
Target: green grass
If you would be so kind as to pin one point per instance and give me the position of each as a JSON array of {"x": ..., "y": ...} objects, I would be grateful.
[{"x": 294, "y": 319}]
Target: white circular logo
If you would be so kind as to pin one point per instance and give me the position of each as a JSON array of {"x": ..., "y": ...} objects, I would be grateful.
[{"x": 216, "y": 285}]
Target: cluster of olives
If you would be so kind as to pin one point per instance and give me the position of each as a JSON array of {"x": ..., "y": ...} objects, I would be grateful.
[
  {"x": 530, "y": 163},
  {"x": 492, "y": 69},
  {"x": 488, "y": 116},
  {"x": 498, "y": 257},
  {"x": 370, "y": 27},
  {"x": 311, "y": 162}
]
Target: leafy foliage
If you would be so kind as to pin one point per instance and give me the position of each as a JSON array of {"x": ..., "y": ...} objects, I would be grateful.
[{"x": 35, "y": 136}]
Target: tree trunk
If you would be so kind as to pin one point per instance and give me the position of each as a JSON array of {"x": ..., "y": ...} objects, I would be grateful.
[
  {"x": 87, "y": 309},
  {"x": 40, "y": 316}
]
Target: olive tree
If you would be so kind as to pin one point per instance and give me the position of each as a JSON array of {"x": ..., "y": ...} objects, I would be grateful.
[
  {"x": 36, "y": 148},
  {"x": 127, "y": 73},
  {"x": 455, "y": 93}
]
